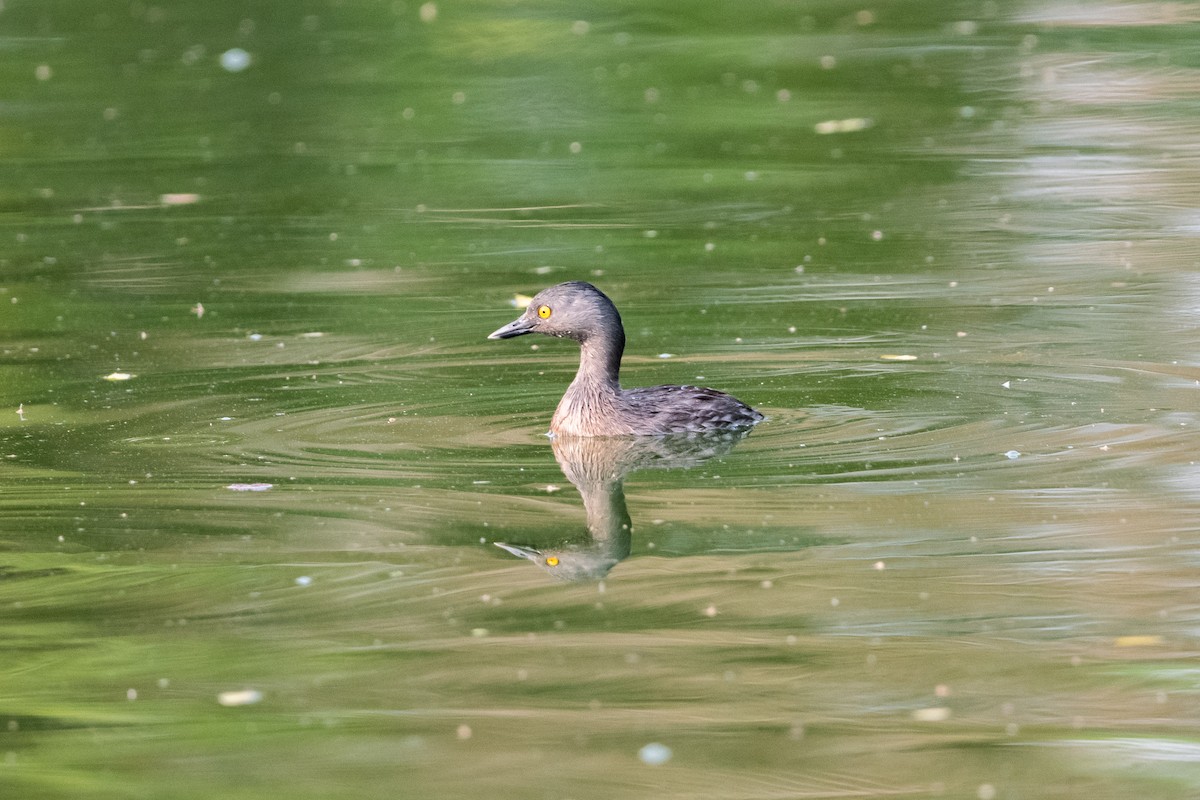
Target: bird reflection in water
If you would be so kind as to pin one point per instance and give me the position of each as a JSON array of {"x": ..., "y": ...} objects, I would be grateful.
[{"x": 598, "y": 466}]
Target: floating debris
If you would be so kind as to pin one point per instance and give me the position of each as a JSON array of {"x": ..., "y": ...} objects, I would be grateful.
[
  {"x": 119, "y": 376},
  {"x": 249, "y": 487},
  {"x": 304, "y": 580},
  {"x": 934, "y": 714},
  {"x": 1012, "y": 455},
  {"x": 235, "y": 59},
  {"x": 198, "y": 310},
  {"x": 179, "y": 198},
  {"x": 654, "y": 754},
  {"x": 520, "y": 300},
  {"x": 851, "y": 125},
  {"x": 1142, "y": 640},
  {"x": 895, "y": 356},
  {"x": 244, "y": 697}
]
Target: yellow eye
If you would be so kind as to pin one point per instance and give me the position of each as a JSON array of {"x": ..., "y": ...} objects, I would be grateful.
[
  {"x": 551, "y": 561},
  {"x": 544, "y": 312}
]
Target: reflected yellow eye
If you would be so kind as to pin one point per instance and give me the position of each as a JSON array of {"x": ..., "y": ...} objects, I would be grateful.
[
  {"x": 551, "y": 561},
  {"x": 544, "y": 312}
]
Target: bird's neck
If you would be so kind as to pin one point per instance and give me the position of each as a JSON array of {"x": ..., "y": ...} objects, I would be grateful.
[{"x": 600, "y": 360}]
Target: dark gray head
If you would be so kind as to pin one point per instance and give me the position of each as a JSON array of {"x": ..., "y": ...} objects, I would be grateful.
[{"x": 574, "y": 310}]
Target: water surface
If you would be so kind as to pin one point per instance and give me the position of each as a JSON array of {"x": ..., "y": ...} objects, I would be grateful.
[{"x": 256, "y": 451}]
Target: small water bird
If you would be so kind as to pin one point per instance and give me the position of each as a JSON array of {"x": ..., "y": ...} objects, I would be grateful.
[{"x": 594, "y": 403}]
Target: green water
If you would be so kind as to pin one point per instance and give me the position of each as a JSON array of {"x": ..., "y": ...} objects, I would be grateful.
[{"x": 255, "y": 450}]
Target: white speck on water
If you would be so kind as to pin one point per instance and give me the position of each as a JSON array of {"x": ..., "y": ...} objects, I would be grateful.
[
  {"x": 666, "y": 355},
  {"x": 711, "y": 611},
  {"x": 43, "y": 72},
  {"x": 235, "y": 59},
  {"x": 934, "y": 714},
  {"x": 986, "y": 792},
  {"x": 576, "y": 148},
  {"x": 119, "y": 376},
  {"x": 709, "y": 247},
  {"x": 1007, "y": 384},
  {"x": 428, "y": 12},
  {"x": 463, "y": 732},
  {"x": 579, "y": 27},
  {"x": 1012, "y": 455},
  {"x": 179, "y": 199},
  {"x": 650, "y": 234},
  {"x": 654, "y": 754},
  {"x": 244, "y": 697},
  {"x": 131, "y": 694},
  {"x": 831, "y": 126},
  {"x": 304, "y": 580},
  {"x": 249, "y": 487}
]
